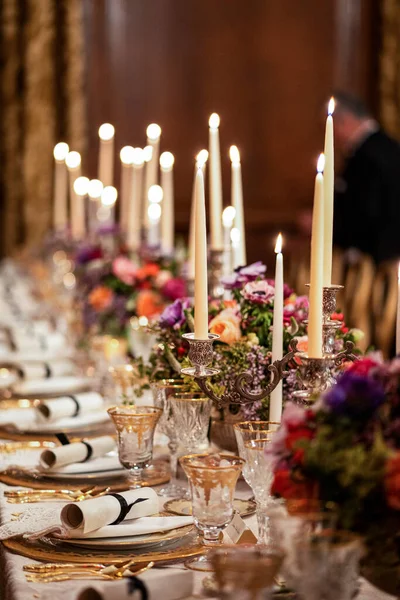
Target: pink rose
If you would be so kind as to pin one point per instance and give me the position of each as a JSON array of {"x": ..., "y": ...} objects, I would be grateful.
[
  {"x": 124, "y": 269},
  {"x": 174, "y": 288},
  {"x": 227, "y": 326}
]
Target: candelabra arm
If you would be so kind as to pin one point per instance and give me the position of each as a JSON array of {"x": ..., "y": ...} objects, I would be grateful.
[
  {"x": 346, "y": 355},
  {"x": 222, "y": 401}
]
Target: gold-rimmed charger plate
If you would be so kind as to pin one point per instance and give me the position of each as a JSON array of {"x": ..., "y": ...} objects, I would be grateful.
[
  {"x": 133, "y": 541},
  {"x": 183, "y": 507},
  {"x": 57, "y": 551},
  {"x": 157, "y": 474},
  {"x": 10, "y": 432}
]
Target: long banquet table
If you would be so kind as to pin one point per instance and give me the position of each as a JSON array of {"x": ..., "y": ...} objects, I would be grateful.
[{"x": 13, "y": 585}]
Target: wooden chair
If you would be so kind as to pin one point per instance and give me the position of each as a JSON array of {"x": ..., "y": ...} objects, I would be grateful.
[
  {"x": 359, "y": 276},
  {"x": 384, "y": 306}
]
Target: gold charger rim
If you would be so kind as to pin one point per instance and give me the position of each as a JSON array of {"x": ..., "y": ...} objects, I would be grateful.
[
  {"x": 8, "y": 432},
  {"x": 152, "y": 538},
  {"x": 250, "y": 506},
  {"x": 17, "y": 476},
  {"x": 38, "y": 550}
]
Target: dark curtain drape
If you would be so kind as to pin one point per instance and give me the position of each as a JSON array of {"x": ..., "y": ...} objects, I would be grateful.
[
  {"x": 390, "y": 67},
  {"x": 43, "y": 102}
]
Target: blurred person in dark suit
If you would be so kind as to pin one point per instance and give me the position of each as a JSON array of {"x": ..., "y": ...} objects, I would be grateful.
[{"x": 367, "y": 188}]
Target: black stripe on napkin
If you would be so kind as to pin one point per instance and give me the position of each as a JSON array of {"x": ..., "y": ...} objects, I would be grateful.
[
  {"x": 136, "y": 585},
  {"x": 89, "y": 451},
  {"x": 47, "y": 370},
  {"x": 125, "y": 507},
  {"x": 77, "y": 405},
  {"x": 62, "y": 438}
]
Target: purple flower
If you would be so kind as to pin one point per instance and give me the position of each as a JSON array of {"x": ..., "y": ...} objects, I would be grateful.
[
  {"x": 243, "y": 275},
  {"x": 355, "y": 396},
  {"x": 88, "y": 253},
  {"x": 174, "y": 315},
  {"x": 287, "y": 291},
  {"x": 259, "y": 292}
]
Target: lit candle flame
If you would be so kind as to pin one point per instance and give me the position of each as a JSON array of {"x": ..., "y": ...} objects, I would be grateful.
[
  {"x": 234, "y": 154},
  {"x": 278, "y": 245},
  {"x": 155, "y": 194},
  {"x": 202, "y": 158},
  {"x": 95, "y": 188},
  {"x": 109, "y": 196},
  {"x": 154, "y": 212},
  {"x": 167, "y": 160},
  {"x": 126, "y": 155},
  {"x": 321, "y": 163},
  {"x": 153, "y": 131},
  {"x": 228, "y": 216},
  {"x": 138, "y": 156},
  {"x": 81, "y": 186},
  {"x": 331, "y": 106},
  {"x": 214, "y": 121},
  {"x": 60, "y": 151},
  {"x": 73, "y": 160},
  {"x": 106, "y": 132},
  {"x": 147, "y": 153},
  {"x": 235, "y": 236}
]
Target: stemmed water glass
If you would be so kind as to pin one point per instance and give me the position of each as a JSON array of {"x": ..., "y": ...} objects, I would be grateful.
[
  {"x": 245, "y": 431},
  {"x": 135, "y": 426},
  {"x": 212, "y": 479},
  {"x": 162, "y": 393},
  {"x": 259, "y": 477},
  {"x": 191, "y": 412}
]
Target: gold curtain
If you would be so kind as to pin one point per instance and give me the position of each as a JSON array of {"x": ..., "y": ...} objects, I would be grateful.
[
  {"x": 390, "y": 67},
  {"x": 42, "y": 94}
]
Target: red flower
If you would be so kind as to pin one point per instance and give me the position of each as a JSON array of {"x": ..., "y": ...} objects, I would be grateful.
[
  {"x": 337, "y": 316},
  {"x": 362, "y": 367},
  {"x": 181, "y": 351},
  {"x": 392, "y": 481},
  {"x": 297, "y": 435},
  {"x": 285, "y": 486}
]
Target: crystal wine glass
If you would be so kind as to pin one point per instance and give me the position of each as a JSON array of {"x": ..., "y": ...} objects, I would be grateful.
[
  {"x": 259, "y": 477},
  {"x": 191, "y": 412},
  {"x": 212, "y": 480},
  {"x": 162, "y": 393},
  {"x": 245, "y": 431},
  {"x": 135, "y": 426}
]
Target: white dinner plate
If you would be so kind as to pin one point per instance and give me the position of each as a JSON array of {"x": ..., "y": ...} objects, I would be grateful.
[{"x": 133, "y": 541}]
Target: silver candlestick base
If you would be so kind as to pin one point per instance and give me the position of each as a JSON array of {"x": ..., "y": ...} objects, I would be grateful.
[
  {"x": 201, "y": 356},
  {"x": 315, "y": 375},
  {"x": 216, "y": 289},
  {"x": 329, "y": 295}
]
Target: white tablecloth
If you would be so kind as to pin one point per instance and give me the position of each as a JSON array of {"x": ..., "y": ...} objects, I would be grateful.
[{"x": 13, "y": 585}]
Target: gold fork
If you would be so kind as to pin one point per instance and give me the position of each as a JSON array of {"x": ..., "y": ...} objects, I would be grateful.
[
  {"x": 40, "y": 497},
  {"x": 85, "y": 574}
]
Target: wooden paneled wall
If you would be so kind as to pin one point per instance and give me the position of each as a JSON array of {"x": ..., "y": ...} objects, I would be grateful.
[{"x": 266, "y": 67}]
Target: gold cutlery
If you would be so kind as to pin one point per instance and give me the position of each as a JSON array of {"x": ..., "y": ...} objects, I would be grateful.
[
  {"x": 31, "y": 496},
  {"x": 87, "y": 572},
  {"x": 11, "y": 447}
]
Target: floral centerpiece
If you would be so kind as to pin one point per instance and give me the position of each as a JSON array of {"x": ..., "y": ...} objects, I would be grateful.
[
  {"x": 244, "y": 324},
  {"x": 345, "y": 451},
  {"x": 112, "y": 291}
]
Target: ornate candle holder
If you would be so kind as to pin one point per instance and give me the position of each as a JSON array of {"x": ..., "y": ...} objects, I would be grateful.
[
  {"x": 329, "y": 295},
  {"x": 201, "y": 356},
  {"x": 216, "y": 271}
]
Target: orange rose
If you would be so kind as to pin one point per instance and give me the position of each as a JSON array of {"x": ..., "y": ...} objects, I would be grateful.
[
  {"x": 227, "y": 326},
  {"x": 100, "y": 298},
  {"x": 392, "y": 481},
  {"x": 148, "y": 304},
  {"x": 149, "y": 270}
]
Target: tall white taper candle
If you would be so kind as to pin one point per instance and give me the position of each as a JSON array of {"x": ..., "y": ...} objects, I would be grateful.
[
  {"x": 329, "y": 177},
  {"x": 398, "y": 314},
  {"x": 237, "y": 203},
  {"x": 60, "y": 198},
  {"x": 126, "y": 156},
  {"x": 78, "y": 225},
  {"x": 106, "y": 154},
  {"x": 200, "y": 282},
  {"x": 275, "y": 402},
  {"x": 215, "y": 184},
  {"x": 315, "y": 319},
  {"x": 135, "y": 211},
  {"x": 201, "y": 160},
  {"x": 167, "y": 216}
]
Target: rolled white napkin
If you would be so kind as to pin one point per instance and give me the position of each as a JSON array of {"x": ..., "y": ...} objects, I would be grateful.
[
  {"x": 44, "y": 370},
  {"x": 54, "y": 385},
  {"x": 80, "y": 404},
  {"x": 81, "y": 518},
  {"x": 100, "y": 464},
  {"x": 135, "y": 527},
  {"x": 76, "y": 452},
  {"x": 170, "y": 584},
  {"x": 51, "y": 341}
]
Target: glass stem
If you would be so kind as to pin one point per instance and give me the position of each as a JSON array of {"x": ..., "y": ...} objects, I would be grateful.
[
  {"x": 173, "y": 461},
  {"x": 136, "y": 478},
  {"x": 263, "y": 525}
]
